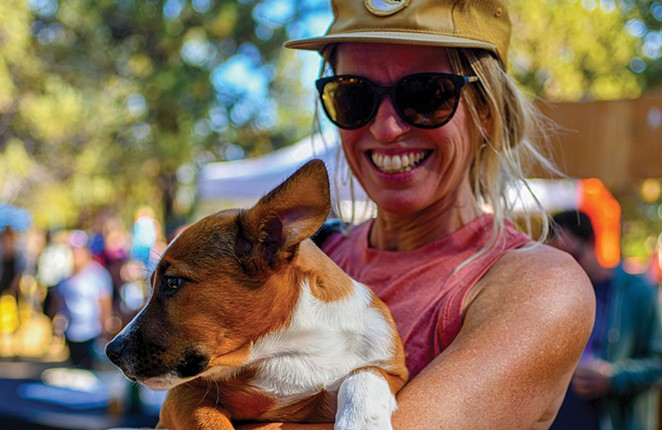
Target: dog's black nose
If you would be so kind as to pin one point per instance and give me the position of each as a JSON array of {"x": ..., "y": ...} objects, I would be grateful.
[{"x": 114, "y": 349}]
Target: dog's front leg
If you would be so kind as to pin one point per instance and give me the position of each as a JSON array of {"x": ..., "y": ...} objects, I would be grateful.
[
  {"x": 366, "y": 400},
  {"x": 187, "y": 408}
]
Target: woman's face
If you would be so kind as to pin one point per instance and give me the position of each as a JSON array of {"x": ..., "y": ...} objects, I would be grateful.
[{"x": 437, "y": 160}]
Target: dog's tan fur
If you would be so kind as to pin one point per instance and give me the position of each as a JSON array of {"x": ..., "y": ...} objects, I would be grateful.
[{"x": 241, "y": 274}]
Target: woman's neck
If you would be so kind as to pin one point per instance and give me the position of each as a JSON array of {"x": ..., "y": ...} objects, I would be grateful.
[{"x": 407, "y": 231}]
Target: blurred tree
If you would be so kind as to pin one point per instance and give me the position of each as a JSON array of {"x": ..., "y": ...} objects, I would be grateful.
[
  {"x": 117, "y": 102},
  {"x": 113, "y": 98},
  {"x": 566, "y": 50},
  {"x": 16, "y": 58},
  {"x": 645, "y": 23}
]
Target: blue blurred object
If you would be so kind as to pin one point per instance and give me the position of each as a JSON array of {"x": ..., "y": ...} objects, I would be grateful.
[
  {"x": 18, "y": 219},
  {"x": 35, "y": 404},
  {"x": 73, "y": 399}
]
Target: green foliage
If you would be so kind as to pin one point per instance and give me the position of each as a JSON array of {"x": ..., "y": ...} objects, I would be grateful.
[
  {"x": 642, "y": 215},
  {"x": 103, "y": 102},
  {"x": 111, "y": 98},
  {"x": 566, "y": 50}
]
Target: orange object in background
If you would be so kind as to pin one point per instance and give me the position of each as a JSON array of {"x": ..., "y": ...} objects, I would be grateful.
[{"x": 605, "y": 213}]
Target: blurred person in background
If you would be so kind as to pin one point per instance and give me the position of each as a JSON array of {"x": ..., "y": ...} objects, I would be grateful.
[
  {"x": 614, "y": 386},
  {"x": 55, "y": 263},
  {"x": 85, "y": 301},
  {"x": 144, "y": 237},
  {"x": 12, "y": 263},
  {"x": 113, "y": 243}
]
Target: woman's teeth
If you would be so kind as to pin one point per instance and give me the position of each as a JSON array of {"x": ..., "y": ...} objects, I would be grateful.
[{"x": 397, "y": 163}]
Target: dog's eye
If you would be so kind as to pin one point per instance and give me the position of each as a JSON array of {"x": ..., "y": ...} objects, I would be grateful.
[{"x": 173, "y": 283}]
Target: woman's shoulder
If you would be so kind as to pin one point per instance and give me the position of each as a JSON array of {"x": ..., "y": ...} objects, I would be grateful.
[
  {"x": 542, "y": 269},
  {"x": 538, "y": 306},
  {"x": 540, "y": 277},
  {"x": 525, "y": 328},
  {"x": 539, "y": 261}
]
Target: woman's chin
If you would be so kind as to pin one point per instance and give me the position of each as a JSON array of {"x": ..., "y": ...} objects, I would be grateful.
[{"x": 399, "y": 202}]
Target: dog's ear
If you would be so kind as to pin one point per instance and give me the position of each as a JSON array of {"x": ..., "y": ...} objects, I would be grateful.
[{"x": 282, "y": 219}]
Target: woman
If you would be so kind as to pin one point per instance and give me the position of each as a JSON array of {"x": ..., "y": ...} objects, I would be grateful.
[{"x": 434, "y": 129}]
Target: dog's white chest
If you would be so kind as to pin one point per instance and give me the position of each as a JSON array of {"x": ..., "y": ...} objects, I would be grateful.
[{"x": 322, "y": 345}]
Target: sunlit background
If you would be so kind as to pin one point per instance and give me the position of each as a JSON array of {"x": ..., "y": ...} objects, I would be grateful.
[{"x": 128, "y": 119}]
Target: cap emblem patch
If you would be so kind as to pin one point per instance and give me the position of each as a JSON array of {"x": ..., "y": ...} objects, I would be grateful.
[{"x": 385, "y": 7}]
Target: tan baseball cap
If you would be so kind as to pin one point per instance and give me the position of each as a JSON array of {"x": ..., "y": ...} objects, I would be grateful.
[{"x": 450, "y": 23}]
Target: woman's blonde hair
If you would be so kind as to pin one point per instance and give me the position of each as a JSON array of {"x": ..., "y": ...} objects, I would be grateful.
[{"x": 512, "y": 138}]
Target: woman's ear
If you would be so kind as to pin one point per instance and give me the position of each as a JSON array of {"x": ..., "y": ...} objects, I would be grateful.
[{"x": 486, "y": 123}]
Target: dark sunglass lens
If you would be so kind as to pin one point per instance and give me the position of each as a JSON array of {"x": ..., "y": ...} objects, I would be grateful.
[
  {"x": 348, "y": 101},
  {"x": 427, "y": 101}
]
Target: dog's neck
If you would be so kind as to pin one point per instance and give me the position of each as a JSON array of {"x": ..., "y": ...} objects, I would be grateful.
[
  {"x": 327, "y": 281},
  {"x": 310, "y": 267}
]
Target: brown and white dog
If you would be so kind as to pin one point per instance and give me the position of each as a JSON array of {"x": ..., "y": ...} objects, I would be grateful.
[{"x": 249, "y": 320}]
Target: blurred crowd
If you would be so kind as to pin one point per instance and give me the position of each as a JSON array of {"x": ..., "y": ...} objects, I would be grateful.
[{"x": 65, "y": 293}]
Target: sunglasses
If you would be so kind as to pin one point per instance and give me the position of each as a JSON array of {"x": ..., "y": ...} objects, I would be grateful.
[{"x": 424, "y": 100}]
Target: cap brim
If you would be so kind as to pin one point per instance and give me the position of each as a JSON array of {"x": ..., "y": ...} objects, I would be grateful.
[{"x": 403, "y": 38}]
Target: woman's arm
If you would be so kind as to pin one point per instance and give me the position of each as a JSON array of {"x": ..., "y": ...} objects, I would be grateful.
[
  {"x": 511, "y": 363},
  {"x": 509, "y": 367}
]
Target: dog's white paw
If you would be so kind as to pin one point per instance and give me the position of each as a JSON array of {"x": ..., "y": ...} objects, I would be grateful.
[{"x": 365, "y": 402}]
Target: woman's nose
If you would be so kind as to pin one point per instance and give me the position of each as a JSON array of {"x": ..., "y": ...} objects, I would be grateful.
[{"x": 388, "y": 125}]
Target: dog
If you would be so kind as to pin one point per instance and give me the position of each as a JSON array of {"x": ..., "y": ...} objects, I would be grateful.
[{"x": 249, "y": 320}]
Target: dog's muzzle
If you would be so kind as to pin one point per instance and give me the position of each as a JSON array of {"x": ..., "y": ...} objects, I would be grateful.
[
  {"x": 115, "y": 352},
  {"x": 137, "y": 357},
  {"x": 140, "y": 359},
  {"x": 115, "y": 348}
]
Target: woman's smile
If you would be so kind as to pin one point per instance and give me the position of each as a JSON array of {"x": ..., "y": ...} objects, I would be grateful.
[{"x": 398, "y": 163}]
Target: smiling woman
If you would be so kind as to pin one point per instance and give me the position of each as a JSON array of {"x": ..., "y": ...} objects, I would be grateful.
[{"x": 435, "y": 130}]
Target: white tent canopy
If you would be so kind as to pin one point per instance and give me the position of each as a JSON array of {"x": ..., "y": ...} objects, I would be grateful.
[{"x": 241, "y": 183}]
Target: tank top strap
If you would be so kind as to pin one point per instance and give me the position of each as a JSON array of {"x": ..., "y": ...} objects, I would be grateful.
[{"x": 465, "y": 278}]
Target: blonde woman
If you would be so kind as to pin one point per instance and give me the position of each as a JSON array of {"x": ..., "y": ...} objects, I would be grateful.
[{"x": 434, "y": 129}]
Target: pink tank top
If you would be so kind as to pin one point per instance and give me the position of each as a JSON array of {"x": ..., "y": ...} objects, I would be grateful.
[{"x": 421, "y": 287}]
